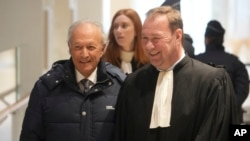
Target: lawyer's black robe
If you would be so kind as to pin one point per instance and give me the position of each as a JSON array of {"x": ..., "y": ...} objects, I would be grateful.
[{"x": 203, "y": 105}]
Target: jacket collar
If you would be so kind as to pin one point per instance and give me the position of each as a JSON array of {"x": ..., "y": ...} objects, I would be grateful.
[
  {"x": 177, "y": 67},
  {"x": 64, "y": 71}
]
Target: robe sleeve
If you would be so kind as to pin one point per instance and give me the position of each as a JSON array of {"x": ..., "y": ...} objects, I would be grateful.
[
  {"x": 221, "y": 110},
  {"x": 120, "y": 116}
]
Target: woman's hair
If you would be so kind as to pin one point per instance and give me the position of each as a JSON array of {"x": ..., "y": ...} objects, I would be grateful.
[{"x": 112, "y": 53}]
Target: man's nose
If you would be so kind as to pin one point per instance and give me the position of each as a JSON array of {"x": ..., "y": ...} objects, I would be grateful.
[
  {"x": 149, "y": 45},
  {"x": 84, "y": 51}
]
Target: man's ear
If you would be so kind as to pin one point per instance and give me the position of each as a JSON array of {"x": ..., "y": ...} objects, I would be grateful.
[
  {"x": 103, "y": 49},
  {"x": 179, "y": 34},
  {"x": 69, "y": 48},
  {"x": 105, "y": 45}
]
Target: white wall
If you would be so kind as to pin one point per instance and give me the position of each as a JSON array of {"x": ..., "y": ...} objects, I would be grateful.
[{"x": 22, "y": 26}]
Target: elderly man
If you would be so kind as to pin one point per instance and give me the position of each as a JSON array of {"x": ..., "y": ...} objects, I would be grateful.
[{"x": 75, "y": 100}]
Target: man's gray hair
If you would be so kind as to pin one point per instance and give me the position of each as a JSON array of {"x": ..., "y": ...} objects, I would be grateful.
[{"x": 83, "y": 21}]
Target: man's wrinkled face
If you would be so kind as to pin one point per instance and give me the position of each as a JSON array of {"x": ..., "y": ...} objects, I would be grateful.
[
  {"x": 86, "y": 48},
  {"x": 158, "y": 42}
]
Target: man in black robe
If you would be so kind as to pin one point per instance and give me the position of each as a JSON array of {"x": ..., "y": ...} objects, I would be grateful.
[{"x": 174, "y": 98}]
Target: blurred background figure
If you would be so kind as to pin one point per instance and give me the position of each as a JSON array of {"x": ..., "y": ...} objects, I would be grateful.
[
  {"x": 173, "y": 3},
  {"x": 215, "y": 54},
  {"x": 188, "y": 45},
  {"x": 187, "y": 40},
  {"x": 124, "y": 41}
]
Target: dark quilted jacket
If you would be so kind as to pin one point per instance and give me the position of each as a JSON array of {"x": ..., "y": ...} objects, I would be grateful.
[{"x": 58, "y": 111}]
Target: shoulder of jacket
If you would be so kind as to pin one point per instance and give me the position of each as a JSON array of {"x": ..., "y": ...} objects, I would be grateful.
[
  {"x": 115, "y": 72},
  {"x": 54, "y": 76}
]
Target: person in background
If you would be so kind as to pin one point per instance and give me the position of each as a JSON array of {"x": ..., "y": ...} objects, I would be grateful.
[
  {"x": 124, "y": 41},
  {"x": 187, "y": 40},
  {"x": 215, "y": 54},
  {"x": 173, "y": 3},
  {"x": 188, "y": 45},
  {"x": 75, "y": 100},
  {"x": 175, "y": 97}
]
